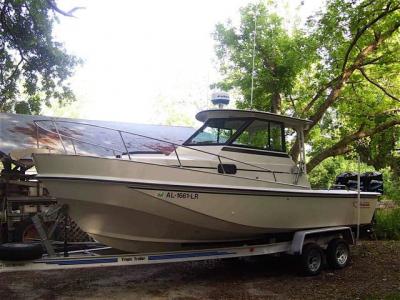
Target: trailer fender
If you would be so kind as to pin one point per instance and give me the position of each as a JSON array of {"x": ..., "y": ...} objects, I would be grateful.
[{"x": 300, "y": 236}]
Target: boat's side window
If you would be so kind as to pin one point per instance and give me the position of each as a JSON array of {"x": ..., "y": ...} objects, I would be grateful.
[
  {"x": 217, "y": 131},
  {"x": 262, "y": 135},
  {"x": 275, "y": 137},
  {"x": 255, "y": 135}
]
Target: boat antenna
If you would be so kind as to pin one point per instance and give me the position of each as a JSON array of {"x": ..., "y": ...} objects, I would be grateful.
[
  {"x": 254, "y": 55},
  {"x": 358, "y": 198}
]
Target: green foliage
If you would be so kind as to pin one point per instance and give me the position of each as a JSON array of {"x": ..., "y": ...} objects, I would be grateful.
[
  {"x": 34, "y": 67},
  {"x": 32, "y": 106},
  {"x": 391, "y": 185},
  {"x": 388, "y": 224},
  {"x": 341, "y": 71},
  {"x": 324, "y": 175},
  {"x": 279, "y": 58}
]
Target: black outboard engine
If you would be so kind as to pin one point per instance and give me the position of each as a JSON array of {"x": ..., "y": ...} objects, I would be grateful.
[
  {"x": 345, "y": 181},
  {"x": 373, "y": 181},
  {"x": 369, "y": 182}
]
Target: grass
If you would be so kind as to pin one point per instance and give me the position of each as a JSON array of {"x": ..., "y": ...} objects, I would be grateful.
[
  {"x": 388, "y": 224},
  {"x": 392, "y": 296}
]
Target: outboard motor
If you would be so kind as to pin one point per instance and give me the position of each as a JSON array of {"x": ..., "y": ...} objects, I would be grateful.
[
  {"x": 373, "y": 182},
  {"x": 369, "y": 182},
  {"x": 345, "y": 180}
]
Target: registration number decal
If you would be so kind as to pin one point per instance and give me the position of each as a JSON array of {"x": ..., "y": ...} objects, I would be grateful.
[
  {"x": 363, "y": 204},
  {"x": 178, "y": 195}
]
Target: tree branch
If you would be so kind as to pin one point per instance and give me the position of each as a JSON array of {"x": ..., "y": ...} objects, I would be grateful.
[
  {"x": 361, "y": 31},
  {"x": 342, "y": 146},
  {"x": 378, "y": 85},
  {"x": 364, "y": 5},
  {"x": 15, "y": 71},
  {"x": 389, "y": 111},
  {"x": 342, "y": 80},
  {"x": 344, "y": 77},
  {"x": 293, "y": 105},
  {"x": 372, "y": 61},
  {"x": 69, "y": 13},
  {"x": 317, "y": 95}
]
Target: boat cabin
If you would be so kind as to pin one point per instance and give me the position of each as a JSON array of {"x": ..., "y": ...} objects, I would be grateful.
[
  {"x": 244, "y": 131},
  {"x": 258, "y": 138}
]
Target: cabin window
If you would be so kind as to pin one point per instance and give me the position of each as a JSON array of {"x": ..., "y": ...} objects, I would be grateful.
[
  {"x": 216, "y": 131},
  {"x": 263, "y": 135}
]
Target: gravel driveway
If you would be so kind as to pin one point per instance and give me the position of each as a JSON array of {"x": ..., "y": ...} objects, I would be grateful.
[{"x": 374, "y": 273}]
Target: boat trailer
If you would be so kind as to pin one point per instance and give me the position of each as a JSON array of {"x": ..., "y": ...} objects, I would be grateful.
[{"x": 312, "y": 246}]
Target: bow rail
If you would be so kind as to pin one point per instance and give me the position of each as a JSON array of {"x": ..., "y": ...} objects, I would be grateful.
[{"x": 65, "y": 135}]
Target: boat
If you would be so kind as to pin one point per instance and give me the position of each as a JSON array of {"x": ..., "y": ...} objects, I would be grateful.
[{"x": 232, "y": 181}]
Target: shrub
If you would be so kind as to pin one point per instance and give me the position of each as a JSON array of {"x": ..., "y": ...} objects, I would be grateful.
[{"x": 388, "y": 224}]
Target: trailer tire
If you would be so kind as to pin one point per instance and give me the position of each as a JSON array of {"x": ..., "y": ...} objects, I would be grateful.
[
  {"x": 338, "y": 254},
  {"x": 312, "y": 259},
  {"x": 24, "y": 231},
  {"x": 20, "y": 251}
]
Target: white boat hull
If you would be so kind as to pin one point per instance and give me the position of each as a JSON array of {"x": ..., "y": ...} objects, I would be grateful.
[{"x": 112, "y": 201}]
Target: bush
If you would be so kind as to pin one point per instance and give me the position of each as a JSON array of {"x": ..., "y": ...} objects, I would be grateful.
[
  {"x": 324, "y": 175},
  {"x": 391, "y": 185},
  {"x": 388, "y": 224}
]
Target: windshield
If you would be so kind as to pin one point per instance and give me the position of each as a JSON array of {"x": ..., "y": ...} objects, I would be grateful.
[{"x": 216, "y": 132}]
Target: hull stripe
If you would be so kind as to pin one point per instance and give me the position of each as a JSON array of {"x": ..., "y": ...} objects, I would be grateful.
[
  {"x": 188, "y": 255},
  {"x": 216, "y": 190},
  {"x": 64, "y": 262}
]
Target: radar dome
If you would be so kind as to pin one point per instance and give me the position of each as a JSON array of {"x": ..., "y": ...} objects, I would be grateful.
[{"x": 220, "y": 99}]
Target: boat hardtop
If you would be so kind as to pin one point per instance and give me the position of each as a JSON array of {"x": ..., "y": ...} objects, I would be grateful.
[{"x": 292, "y": 122}]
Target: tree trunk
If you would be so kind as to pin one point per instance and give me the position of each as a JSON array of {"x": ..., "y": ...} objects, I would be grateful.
[{"x": 276, "y": 103}]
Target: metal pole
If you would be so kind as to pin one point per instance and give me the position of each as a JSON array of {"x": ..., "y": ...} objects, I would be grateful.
[
  {"x": 304, "y": 166},
  {"x": 358, "y": 199},
  {"x": 73, "y": 145},
  {"x": 37, "y": 135},
  {"x": 254, "y": 55},
  {"x": 66, "y": 227},
  {"x": 222, "y": 165},
  {"x": 59, "y": 136},
  {"x": 123, "y": 141},
  {"x": 177, "y": 157},
  {"x": 43, "y": 235}
]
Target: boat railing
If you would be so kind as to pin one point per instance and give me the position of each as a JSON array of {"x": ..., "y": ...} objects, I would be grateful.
[{"x": 56, "y": 130}]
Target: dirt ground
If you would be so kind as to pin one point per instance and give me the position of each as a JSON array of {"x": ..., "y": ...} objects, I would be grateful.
[{"x": 374, "y": 273}]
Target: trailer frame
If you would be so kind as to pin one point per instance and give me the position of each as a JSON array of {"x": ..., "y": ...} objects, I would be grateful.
[{"x": 90, "y": 259}]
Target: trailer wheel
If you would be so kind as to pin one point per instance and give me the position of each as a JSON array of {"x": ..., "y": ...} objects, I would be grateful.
[
  {"x": 312, "y": 259},
  {"x": 338, "y": 253},
  {"x": 25, "y": 231},
  {"x": 20, "y": 251}
]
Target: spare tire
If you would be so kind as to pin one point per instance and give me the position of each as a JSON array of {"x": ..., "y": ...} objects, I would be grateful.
[{"x": 20, "y": 251}]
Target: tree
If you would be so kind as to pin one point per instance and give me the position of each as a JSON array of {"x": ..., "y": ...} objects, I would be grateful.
[
  {"x": 279, "y": 57},
  {"x": 358, "y": 41},
  {"x": 343, "y": 73},
  {"x": 34, "y": 68}
]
